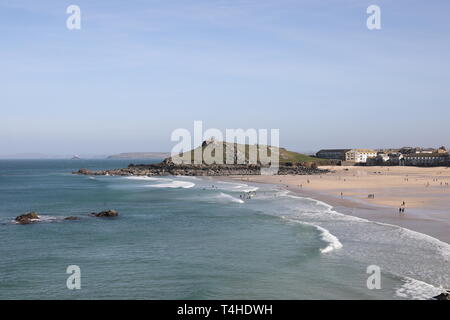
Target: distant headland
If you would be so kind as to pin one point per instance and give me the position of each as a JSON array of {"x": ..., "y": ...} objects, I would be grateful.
[{"x": 140, "y": 155}]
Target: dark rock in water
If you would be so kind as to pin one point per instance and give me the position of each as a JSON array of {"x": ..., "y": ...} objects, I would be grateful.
[
  {"x": 27, "y": 218},
  {"x": 107, "y": 214},
  {"x": 71, "y": 218},
  {"x": 443, "y": 296},
  {"x": 84, "y": 171}
]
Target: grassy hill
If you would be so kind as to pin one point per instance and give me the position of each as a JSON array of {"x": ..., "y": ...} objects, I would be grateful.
[{"x": 285, "y": 155}]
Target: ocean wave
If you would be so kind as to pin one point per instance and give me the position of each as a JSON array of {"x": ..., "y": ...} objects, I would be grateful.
[
  {"x": 424, "y": 257},
  {"x": 173, "y": 184},
  {"x": 442, "y": 247},
  {"x": 236, "y": 187},
  {"x": 417, "y": 290},
  {"x": 332, "y": 240},
  {"x": 144, "y": 178},
  {"x": 227, "y": 197},
  {"x": 245, "y": 188}
]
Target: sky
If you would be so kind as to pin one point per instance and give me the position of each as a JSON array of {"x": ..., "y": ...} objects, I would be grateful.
[{"x": 137, "y": 70}]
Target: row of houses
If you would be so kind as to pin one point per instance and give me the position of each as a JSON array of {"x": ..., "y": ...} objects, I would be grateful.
[
  {"x": 350, "y": 155},
  {"x": 406, "y": 156}
]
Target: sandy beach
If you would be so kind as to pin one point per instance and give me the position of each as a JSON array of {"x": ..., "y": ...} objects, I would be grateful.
[{"x": 425, "y": 193}]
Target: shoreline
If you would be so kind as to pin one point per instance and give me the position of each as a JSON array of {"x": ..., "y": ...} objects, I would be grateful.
[{"x": 434, "y": 222}]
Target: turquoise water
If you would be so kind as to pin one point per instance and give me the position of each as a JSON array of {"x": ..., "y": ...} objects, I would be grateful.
[{"x": 191, "y": 238}]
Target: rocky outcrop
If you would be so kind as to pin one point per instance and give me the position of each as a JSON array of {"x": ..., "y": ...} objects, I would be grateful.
[
  {"x": 169, "y": 168},
  {"x": 32, "y": 217},
  {"x": 443, "y": 296},
  {"x": 84, "y": 171},
  {"x": 27, "y": 218},
  {"x": 105, "y": 214}
]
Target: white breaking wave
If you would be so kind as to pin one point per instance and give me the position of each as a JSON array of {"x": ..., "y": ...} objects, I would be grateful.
[
  {"x": 173, "y": 184},
  {"x": 48, "y": 218},
  {"x": 145, "y": 178},
  {"x": 422, "y": 256},
  {"x": 417, "y": 290},
  {"x": 225, "y": 196},
  {"x": 43, "y": 218},
  {"x": 442, "y": 247},
  {"x": 237, "y": 187},
  {"x": 245, "y": 188},
  {"x": 333, "y": 241}
]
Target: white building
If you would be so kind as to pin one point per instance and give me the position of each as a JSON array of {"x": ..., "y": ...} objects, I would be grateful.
[{"x": 360, "y": 155}]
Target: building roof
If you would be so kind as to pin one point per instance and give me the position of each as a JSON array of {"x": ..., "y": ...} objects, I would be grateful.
[
  {"x": 333, "y": 150},
  {"x": 364, "y": 150},
  {"x": 427, "y": 155}
]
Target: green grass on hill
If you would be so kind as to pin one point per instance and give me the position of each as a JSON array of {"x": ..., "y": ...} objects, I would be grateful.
[
  {"x": 291, "y": 156},
  {"x": 285, "y": 156}
]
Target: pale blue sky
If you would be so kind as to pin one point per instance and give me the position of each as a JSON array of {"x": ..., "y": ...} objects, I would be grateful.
[{"x": 139, "y": 69}]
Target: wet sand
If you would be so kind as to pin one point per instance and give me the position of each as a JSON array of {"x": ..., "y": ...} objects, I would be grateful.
[{"x": 425, "y": 191}]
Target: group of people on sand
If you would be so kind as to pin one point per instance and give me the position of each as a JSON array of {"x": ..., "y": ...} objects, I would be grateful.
[{"x": 247, "y": 195}]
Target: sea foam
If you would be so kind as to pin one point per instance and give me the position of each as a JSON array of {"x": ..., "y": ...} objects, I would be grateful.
[
  {"x": 417, "y": 290},
  {"x": 145, "y": 178},
  {"x": 228, "y": 197},
  {"x": 173, "y": 184}
]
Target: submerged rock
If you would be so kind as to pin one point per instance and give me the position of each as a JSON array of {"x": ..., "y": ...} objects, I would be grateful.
[
  {"x": 105, "y": 214},
  {"x": 27, "y": 218},
  {"x": 71, "y": 218}
]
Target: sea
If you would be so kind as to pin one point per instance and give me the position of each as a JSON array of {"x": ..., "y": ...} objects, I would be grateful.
[{"x": 197, "y": 238}]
